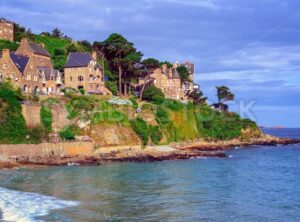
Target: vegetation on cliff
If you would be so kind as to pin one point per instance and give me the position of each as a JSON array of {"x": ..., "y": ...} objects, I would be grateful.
[{"x": 13, "y": 127}]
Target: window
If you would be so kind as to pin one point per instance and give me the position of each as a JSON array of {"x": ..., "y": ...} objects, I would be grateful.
[
  {"x": 71, "y": 78},
  {"x": 98, "y": 78},
  {"x": 28, "y": 77},
  {"x": 92, "y": 78},
  {"x": 1, "y": 77},
  {"x": 35, "y": 78},
  {"x": 80, "y": 78},
  {"x": 5, "y": 66}
]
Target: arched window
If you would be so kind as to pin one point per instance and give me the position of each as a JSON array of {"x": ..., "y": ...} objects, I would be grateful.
[
  {"x": 80, "y": 78},
  {"x": 92, "y": 78},
  {"x": 98, "y": 78}
]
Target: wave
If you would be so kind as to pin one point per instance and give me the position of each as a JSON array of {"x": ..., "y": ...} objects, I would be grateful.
[{"x": 26, "y": 207}]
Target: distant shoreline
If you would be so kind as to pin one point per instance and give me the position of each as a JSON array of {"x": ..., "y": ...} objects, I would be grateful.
[{"x": 175, "y": 151}]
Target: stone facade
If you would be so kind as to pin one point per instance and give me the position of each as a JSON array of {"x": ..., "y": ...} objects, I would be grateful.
[
  {"x": 83, "y": 72},
  {"x": 6, "y": 30},
  {"x": 167, "y": 79},
  {"x": 30, "y": 68}
]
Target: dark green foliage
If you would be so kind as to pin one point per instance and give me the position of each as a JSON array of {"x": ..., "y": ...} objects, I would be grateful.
[
  {"x": 121, "y": 56},
  {"x": 166, "y": 125},
  {"x": 37, "y": 134},
  {"x": 134, "y": 103},
  {"x": 183, "y": 74},
  {"x": 152, "y": 93},
  {"x": 221, "y": 126},
  {"x": 82, "y": 91},
  {"x": 155, "y": 134},
  {"x": 13, "y": 126},
  {"x": 141, "y": 129},
  {"x": 224, "y": 94},
  {"x": 67, "y": 133},
  {"x": 150, "y": 63},
  {"x": 46, "y": 117},
  {"x": 86, "y": 44},
  {"x": 112, "y": 86},
  {"x": 59, "y": 51},
  {"x": 71, "y": 48},
  {"x": 110, "y": 115},
  {"x": 169, "y": 65},
  {"x": 5, "y": 44},
  {"x": 173, "y": 104},
  {"x": 57, "y": 33}
]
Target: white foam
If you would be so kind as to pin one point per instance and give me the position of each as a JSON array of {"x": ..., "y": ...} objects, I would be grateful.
[{"x": 20, "y": 206}]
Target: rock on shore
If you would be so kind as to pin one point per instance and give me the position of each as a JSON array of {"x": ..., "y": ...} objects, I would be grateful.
[{"x": 186, "y": 150}]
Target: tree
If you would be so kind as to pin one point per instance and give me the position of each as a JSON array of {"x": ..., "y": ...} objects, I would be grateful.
[
  {"x": 120, "y": 54},
  {"x": 56, "y": 33},
  {"x": 86, "y": 44},
  {"x": 197, "y": 97},
  {"x": 184, "y": 74},
  {"x": 169, "y": 65},
  {"x": 153, "y": 93},
  {"x": 224, "y": 94},
  {"x": 148, "y": 65}
]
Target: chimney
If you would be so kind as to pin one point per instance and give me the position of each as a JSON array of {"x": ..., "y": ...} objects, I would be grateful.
[
  {"x": 5, "y": 52},
  {"x": 94, "y": 55},
  {"x": 24, "y": 41},
  {"x": 42, "y": 44}
]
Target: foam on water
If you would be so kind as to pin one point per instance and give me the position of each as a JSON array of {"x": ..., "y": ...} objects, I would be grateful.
[{"x": 26, "y": 207}]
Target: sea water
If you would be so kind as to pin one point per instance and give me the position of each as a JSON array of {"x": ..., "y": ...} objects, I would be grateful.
[{"x": 255, "y": 184}]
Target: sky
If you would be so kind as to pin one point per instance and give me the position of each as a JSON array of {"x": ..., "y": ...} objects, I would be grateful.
[{"x": 252, "y": 46}]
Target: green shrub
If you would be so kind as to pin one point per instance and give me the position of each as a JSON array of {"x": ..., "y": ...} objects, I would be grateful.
[
  {"x": 147, "y": 106},
  {"x": 46, "y": 117},
  {"x": 141, "y": 129},
  {"x": 112, "y": 86},
  {"x": 134, "y": 103},
  {"x": 13, "y": 128},
  {"x": 37, "y": 134},
  {"x": 152, "y": 93},
  {"x": 67, "y": 133},
  {"x": 110, "y": 116},
  {"x": 173, "y": 104},
  {"x": 166, "y": 125},
  {"x": 221, "y": 126},
  {"x": 59, "y": 51},
  {"x": 155, "y": 134},
  {"x": 82, "y": 91}
]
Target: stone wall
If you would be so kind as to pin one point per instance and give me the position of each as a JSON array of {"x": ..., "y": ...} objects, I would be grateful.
[
  {"x": 47, "y": 149},
  {"x": 31, "y": 113}
]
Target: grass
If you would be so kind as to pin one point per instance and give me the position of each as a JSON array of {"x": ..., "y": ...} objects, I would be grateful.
[{"x": 5, "y": 44}]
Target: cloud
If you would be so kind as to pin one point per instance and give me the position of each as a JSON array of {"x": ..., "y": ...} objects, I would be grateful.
[
  {"x": 259, "y": 56},
  {"x": 209, "y": 4}
]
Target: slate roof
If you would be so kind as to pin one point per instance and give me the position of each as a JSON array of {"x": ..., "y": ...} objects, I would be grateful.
[
  {"x": 38, "y": 49},
  {"x": 78, "y": 59},
  {"x": 19, "y": 61},
  {"x": 5, "y": 20},
  {"x": 48, "y": 72}
]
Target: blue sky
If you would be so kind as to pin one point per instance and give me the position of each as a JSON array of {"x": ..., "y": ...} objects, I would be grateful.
[{"x": 250, "y": 45}]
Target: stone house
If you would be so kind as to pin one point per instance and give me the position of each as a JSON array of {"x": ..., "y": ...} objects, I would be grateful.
[
  {"x": 30, "y": 68},
  {"x": 6, "y": 29},
  {"x": 83, "y": 72},
  {"x": 168, "y": 80}
]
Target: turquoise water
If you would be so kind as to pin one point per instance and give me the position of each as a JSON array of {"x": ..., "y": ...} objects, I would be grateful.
[{"x": 255, "y": 184}]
